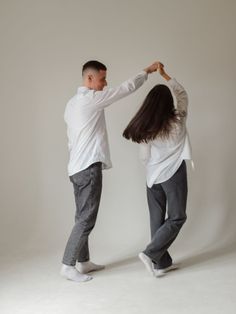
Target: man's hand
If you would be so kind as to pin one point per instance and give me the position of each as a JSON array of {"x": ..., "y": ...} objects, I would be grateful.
[
  {"x": 158, "y": 66},
  {"x": 152, "y": 68}
]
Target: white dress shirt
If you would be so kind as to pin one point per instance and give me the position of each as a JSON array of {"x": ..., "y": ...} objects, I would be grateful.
[
  {"x": 162, "y": 158},
  {"x": 86, "y": 125}
]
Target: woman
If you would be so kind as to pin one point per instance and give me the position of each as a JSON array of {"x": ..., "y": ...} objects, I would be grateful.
[{"x": 160, "y": 129}]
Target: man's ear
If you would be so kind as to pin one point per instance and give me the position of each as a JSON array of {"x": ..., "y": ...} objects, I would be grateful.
[{"x": 90, "y": 77}]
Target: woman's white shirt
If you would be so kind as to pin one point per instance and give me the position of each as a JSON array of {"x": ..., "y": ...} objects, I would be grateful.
[{"x": 163, "y": 157}]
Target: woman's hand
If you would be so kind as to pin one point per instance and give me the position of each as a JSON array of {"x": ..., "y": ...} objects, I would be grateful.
[{"x": 160, "y": 69}]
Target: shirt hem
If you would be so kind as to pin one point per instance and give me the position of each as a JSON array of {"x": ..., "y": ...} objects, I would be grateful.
[
  {"x": 168, "y": 177},
  {"x": 105, "y": 166}
]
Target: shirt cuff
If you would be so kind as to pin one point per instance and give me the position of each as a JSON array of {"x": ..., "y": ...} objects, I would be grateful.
[
  {"x": 172, "y": 82},
  {"x": 144, "y": 73}
]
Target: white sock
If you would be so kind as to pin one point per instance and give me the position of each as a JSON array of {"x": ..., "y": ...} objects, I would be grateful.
[
  {"x": 88, "y": 266},
  {"x": 147, "y": 262},
  {"x": 71, "y": 273}
]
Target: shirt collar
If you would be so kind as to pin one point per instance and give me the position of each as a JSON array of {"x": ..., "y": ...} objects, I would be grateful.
[{"x": 82, "y": 89}]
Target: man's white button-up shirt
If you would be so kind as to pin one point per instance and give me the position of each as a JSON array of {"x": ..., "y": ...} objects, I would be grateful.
[{"x": 86, "y": 125}]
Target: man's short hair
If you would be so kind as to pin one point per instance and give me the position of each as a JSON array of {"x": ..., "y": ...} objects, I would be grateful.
[{"x": 94, "y": 65}]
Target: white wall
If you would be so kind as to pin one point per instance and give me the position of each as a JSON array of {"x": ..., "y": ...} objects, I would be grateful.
[{"x": 43, "y": 46}]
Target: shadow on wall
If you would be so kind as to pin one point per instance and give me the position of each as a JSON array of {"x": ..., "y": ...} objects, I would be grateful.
[{"x": 212, "y": 197}]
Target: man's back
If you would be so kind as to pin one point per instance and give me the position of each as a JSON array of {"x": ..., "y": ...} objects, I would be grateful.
[
  {"x": 84, "y": 115},
  {"x": 86, "y": 130}
]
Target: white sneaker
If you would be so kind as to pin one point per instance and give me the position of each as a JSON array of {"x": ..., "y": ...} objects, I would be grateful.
[{"x": 161, "y": 272}]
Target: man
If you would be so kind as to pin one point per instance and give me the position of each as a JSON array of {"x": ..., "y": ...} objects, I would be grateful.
[{"x": 89, "y": 154}]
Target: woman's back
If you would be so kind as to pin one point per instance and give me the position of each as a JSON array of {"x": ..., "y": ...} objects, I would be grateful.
[{"x": 163, "y": 154}]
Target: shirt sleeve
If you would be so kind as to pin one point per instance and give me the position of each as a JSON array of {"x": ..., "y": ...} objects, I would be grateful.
[
  {"x": 180, "y": 94},
  {"x": 108, "y": 96},
  {"x": 144, "y": 152}
]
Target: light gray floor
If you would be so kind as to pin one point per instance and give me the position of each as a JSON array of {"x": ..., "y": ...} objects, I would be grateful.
[{"x": 205, "y": 284}]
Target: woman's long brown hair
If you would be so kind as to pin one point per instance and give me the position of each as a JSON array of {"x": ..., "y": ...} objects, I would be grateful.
[{"x": 155, "y": 118}]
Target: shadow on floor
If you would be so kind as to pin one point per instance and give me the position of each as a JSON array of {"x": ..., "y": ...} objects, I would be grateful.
[
  {"x": 122, "y": 263},
  {"x": 208, "y": 255},
  {"x": 203, "y": 257}
]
